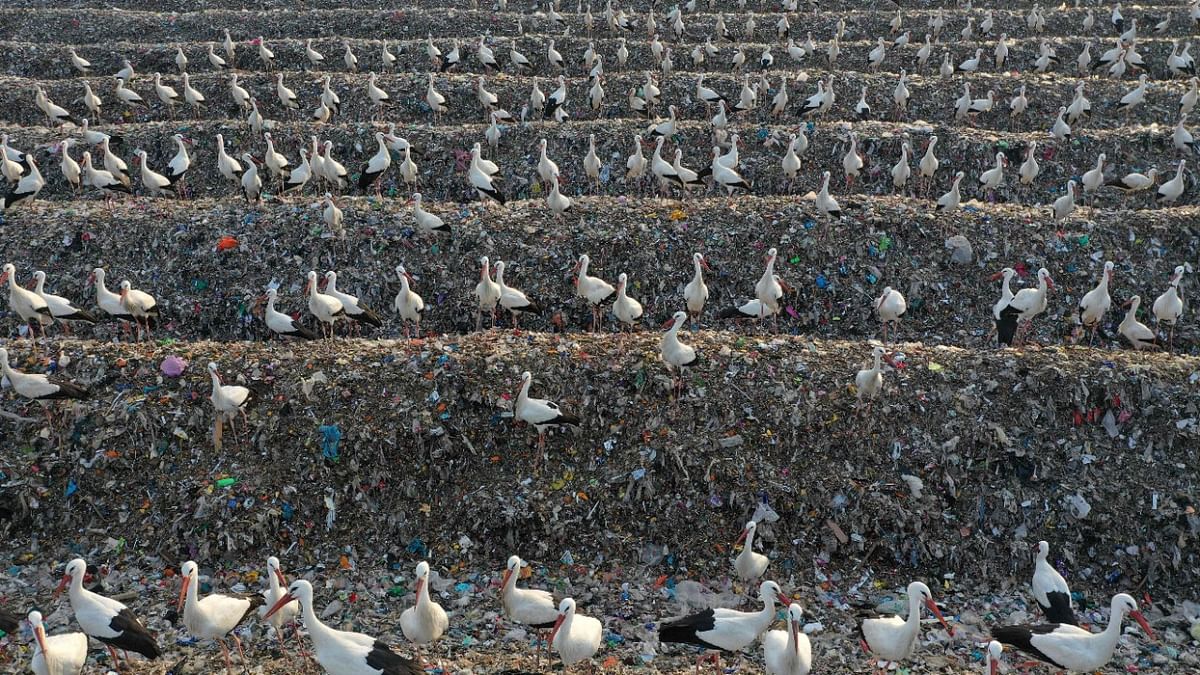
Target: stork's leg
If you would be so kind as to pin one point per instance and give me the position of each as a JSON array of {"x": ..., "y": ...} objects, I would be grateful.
[
  {"x": 225, "y": 653},
  {"x": 479, "y": 320},
  {"x": 238, "y": 642}
]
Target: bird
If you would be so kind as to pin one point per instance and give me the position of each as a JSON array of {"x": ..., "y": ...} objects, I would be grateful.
[
  {"x": 1064, "y": 205},
  {"x": 1095, "y": 303},
  {"x": 215, "y": 616},
  {"x": 575, "y": 637},
  {"x": 326, "y": 308},
  {"x": 768, "y": 290},
  {"x": 894, "y": 639},
  {"x": 1005, "y": 327},
  {"x": 537, "y": 412},
  {"x": 626, "y": 309},
  {"x": 408, "y": 304},
  {"x": 593, "y": 290},
  {"x": 276, "y": 589},
  {"x": 889, "y": 307},
  {"x": 27, "y": 304},
  {"x": 63, "y": 654},
  {"x": 282, "y": 324},
  {"x": 1070, "y": 647},
  {"x": 788, "y": 651},
  {"x": 695, "y": 293},
  {"x": 749, "y": 564},
  {"x": 154, "y": 182},
  {"x": 1168, "y": 307},
  {"x": 102, "y": 618},
  {"x": 1050, "y": 590},
  {"x": 354, "y": 309},
  {"x": 1170, "y": 191},
  {"x": 953, "y": 197},
  {"x": 488, "y": 293},
  {"x": 1138, "y": 333},
  {"x": 427, "y": 223},
  {"x": 61, "y": 309},
  {"x": 532, "y": 607},
  {"x": 343, "y": 651},
  {"x": 227, "y": 399},
  {"x": 374, "y": 168},
  {"x": 27, "y": 187},
  {"x": 426, "y": 621},
  {"x": 992, "y": 656},
  {"x": 515, "y": 301},
  {"x": 674, "y": 353},
  {"x": 826, "y": 203},
  {"x": 1029, "y": 302},
  {"x": 139, "y": 305},
  {"x": 719, "y": 629},
  {"x": 868, "y": 382}
]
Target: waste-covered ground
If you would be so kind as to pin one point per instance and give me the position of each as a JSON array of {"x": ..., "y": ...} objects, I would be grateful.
[
  {"x": 939, "y": 481},
  {"x": 361, "y": 456}
]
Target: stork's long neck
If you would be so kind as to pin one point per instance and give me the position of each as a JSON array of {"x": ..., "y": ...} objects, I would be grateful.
[
  {"x": 1005, "y": 288},
  {"x": 484, "y": 272},
  {"x": 583, "y": 268},
  {"x": 698, "y": 275},
  {"x": 216, "y": 383},
  {"x": 878, "y": 364},
  {"x": 190, "y": 602},
  {"x": 524, "y": 393},
  {"x": 318, "y": 631},
  {"x": 913, "y": 623}
]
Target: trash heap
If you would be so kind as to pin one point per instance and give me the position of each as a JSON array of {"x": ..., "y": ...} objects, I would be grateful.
[
  {"x": 208, "y": 263},
  {"x": 364, "y": 456}
]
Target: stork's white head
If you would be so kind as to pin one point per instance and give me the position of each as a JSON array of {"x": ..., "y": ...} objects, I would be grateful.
[
  {"x": 747, "y": 531},
  {"x": 300, "y": 590},
  {"x": 994, "y": 650},
  {"x": 1043, "y": 550},
  {"x": 769, "y": 592},
  {"x": 77, "y": 568},
  {"x": 1124, "y": 605},
  {"x": 920, "y": 592}
]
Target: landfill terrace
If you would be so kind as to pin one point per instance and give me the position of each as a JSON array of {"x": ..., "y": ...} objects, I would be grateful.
[{"x": 359, "y": 456}]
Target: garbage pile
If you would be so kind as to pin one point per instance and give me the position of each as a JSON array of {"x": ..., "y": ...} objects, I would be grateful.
[{"x": 362, "y": 457}]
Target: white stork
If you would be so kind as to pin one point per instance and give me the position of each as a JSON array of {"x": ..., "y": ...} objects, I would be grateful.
[
  {"x": 788, "y": 652},
  {"x": 426, "y": 621},
  {"x": 724, "y": 630},
  {"x": 749, "y": 564},
  {"x": 575, "y": 637},
  {"x": 105, "y": 619},
  {"x": 539, "y": 412},
  {"x": 1050, "y": 590},
  {"x": 215, "y": 616},
  {"x": 892, "y": 638},
  {"x": 344, "y": 652},
  {"x": 63, "y": 654},
  {"x": 1070, "y": 647}
]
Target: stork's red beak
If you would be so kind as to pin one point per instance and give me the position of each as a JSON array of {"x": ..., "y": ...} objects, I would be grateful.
[
  {"x": 938, "y": 613},
  {"x": 796, "y": 638},
  {"x": 507, "y": 575},
  {"x": 997, "y": 276},
  {"x": 704, "y": 264},
  {"x": 287, "y": 597},
  {"x": 62, "y": 584},
  {"x": 668, "y": 323},
  {"x": 1141, "y": 619},
  {"x": 1050, "y": 282},
  {"x": 419, "y": 586},
  {"x": 3, "y": 277},
  {"x": 994, "y": 667},
  {"x": 282, "y": 579},
  {"x": 742, "y": 537},
  {"x": 40, "y": 634},
  {"x": 557, "y": 624},
  {"x": 783, "y": 599},
  {"x": 183, "y": 592}
]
